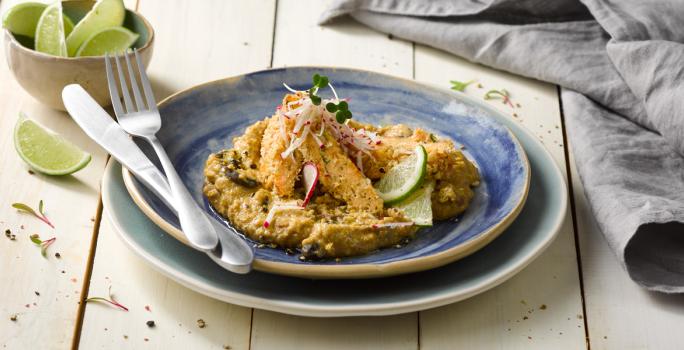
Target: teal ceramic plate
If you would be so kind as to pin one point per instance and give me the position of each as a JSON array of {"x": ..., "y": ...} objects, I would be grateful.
[{"x": 534, "y": 229}]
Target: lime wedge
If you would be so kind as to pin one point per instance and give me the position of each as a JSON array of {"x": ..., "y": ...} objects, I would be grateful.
[
  {"x": 404, "y": 178},
  {"x": 50, "y": 31},
  {"x": 46, "y": 151},
  {"x": 418, "y": 206},
  {"x": 112, "y": 40},
  {"x": 68, "y": 25},
  {"x": 22, "y": 19},
  {"x": 104, "y": 14}
]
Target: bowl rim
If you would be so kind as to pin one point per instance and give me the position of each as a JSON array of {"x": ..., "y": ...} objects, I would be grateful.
[
  {"x": 366, "y": 270},
  {"x": 14, "y": 42}
]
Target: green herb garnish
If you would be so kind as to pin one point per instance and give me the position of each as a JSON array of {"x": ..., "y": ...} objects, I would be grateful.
[
  {"x": 110, "y": 301},
  {"x": 341, "y": 110},
  {"x": 319, "y": 81},
  {"x": 459, "y": 85},
  {"x": 25, "y": 208},
  {"x": 502, "y": 94},
  {"x": 42, "y": 244}
]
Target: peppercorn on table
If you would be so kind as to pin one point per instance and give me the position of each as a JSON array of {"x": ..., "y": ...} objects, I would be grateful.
[{"x": 573, "y": 296}]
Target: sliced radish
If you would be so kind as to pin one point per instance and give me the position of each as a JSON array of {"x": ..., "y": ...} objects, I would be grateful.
[
  {"x": 277, "y": 208},
  {"x": 310, "y": 176}
]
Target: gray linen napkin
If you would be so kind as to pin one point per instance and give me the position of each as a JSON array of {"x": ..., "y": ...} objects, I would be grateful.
[{"x": 621, "y": 68}]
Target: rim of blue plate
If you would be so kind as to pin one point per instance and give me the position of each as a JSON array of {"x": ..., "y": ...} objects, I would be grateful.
[{"x": 364, "y": 270}]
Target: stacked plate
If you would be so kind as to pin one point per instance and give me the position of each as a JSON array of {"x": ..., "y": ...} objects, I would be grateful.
[{"x": 516, "y": 213}]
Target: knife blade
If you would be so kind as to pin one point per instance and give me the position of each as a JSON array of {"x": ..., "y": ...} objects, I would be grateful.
[{"x": 100, "y": 127}]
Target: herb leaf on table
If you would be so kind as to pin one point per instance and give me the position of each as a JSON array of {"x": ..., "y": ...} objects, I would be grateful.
[
  {"x": 110, "y": 301},
  {"x": 44, "y": 245},
  {"x": 500, "y": 94},
  {"x": 459, "y": 85},
  {"x": 40, "y": 214}
]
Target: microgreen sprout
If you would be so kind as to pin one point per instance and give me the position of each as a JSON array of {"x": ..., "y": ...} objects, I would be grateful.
[
  {"x": 40, "y": 215},
  {"x": 502, "y": 94},
  {"x": 341, "y": 110},
  {"x": 319, "y": 82},
  {"x": 459, "y": 85},
  {"x": 42, "y": 244},
  {"x": 110, "y": 301}
]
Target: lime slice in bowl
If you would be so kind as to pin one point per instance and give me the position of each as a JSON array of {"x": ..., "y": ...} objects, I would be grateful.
[
  {"x": 46, "y": 151},
  {"x": 418, "y": 206},
  {"x": 404, "y": 178},
  {"x": 50, "y": 31},
  {"x": 22, "y": 19},
  {"x": 104, "y": 14},
  {"x": 108, "y": 40}
]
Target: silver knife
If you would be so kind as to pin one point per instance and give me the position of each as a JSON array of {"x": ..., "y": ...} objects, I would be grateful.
[{"x": 100, "y": 127}]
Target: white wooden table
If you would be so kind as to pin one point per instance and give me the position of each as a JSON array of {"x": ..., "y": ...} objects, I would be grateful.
[{"x": 574, "y": 296}]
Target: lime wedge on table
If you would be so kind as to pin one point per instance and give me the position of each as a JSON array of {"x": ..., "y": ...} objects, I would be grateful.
[
  {"x": 22, "y": 19},
  {"x": 50, "y": 31},
  {"x": 104, "y": 14},
  {"x": 418, "y": 206},
  {"x": 112, "y": 40},
  {"x": 404, "y": 178},
  {"x": 46, "y": 151}
]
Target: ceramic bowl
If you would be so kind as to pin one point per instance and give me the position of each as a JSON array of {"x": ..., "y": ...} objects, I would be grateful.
[
  {"x": 44, "y": 76},
  {"x": 205, "y": 118}
]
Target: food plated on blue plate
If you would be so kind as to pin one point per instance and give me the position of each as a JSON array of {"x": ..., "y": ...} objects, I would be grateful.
[
  {"x": 417, "y": 178},
  {"x": 313, "y": 180}
]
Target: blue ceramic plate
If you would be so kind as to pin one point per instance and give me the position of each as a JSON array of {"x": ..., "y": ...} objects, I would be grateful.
[{"x": 204, "y": 119}]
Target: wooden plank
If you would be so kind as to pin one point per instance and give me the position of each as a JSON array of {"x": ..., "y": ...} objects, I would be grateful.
[
  {"x": 620, "y": 314},
  {"x": 195, "y": 42},
  {"x": 173, "y": 308},
  {"x": 278, "y": 331},
  {"x": 201, "y": 41},
  {"x": 42, "y": 292},
  {"x": 541, "y": 307},
  {"x": 299, "y": 41},
  {"x": 344, "y": 43}
]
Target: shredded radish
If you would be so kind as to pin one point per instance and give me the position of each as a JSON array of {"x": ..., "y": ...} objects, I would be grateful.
[
  {"x": 307, "y": 115},
  {"x": 393, "y": 224},
  {"x": 320, "y": 133},
  {"x": 359, "y": 161},
  {"x": 283, "y": 132},
  {"x": 296, "y": 143},
  {"x": 276, "y": 208},
  {"x": 318, "y": 140}
]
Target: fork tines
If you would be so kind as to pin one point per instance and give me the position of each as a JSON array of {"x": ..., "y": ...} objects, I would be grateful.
[{"x": 139, "y": 105}]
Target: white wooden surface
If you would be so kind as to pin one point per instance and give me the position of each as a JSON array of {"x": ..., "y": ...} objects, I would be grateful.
[
  {"x": 198, "y": 41},
  {"x": 174, "y": 308},
  {"x": 47, "y": 320},
  {"x": 512, "y": 316}
]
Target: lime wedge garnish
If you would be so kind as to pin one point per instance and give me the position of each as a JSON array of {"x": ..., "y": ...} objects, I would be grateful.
[
  {"x": 46, "y": 151},
  {"x": 404, "y": 178},
  {"x": 104, "y": 14},
  {"x": 68, "y": 25},
  {"x": 112, "y": 40},
  {"x": 22, "y": 19},
  {"x": 50, "y": 31},
  {"x": 418, "y": 206}
]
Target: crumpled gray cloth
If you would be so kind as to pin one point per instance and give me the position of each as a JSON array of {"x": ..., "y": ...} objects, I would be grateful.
[{"x": 620, "y": 64}]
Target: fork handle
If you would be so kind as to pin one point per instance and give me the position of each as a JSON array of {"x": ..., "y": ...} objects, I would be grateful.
[{"x": 193, "y": 220}]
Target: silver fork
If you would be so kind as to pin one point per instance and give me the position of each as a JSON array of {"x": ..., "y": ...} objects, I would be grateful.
[{"x": 145, "y": 121}]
